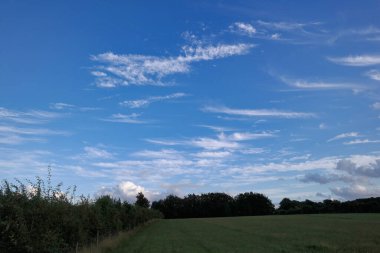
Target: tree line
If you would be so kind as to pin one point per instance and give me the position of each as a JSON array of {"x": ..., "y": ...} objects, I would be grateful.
[
  {"x": 214, "y": 205},
  {"x": 37, "y": 217},
  {"x": 367, "y": 205},
  {"x": 249, "y": 203}
]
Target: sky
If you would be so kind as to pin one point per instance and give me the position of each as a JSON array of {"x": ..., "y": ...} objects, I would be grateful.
[{"x": 178, "y": 97}]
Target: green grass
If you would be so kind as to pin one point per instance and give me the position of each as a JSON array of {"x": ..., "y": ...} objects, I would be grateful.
[{"x": 296, "y": 233}]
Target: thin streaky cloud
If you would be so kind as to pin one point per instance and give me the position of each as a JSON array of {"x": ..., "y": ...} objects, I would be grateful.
[
  {"x": 307, "y": 85},
  {"x": 361, "y": 141},
  {"x": 61, "y": 106},
  {"x": 374, "y": 74},
  {"x": 28, "y": 117},
  {"x": 30, "y": 131},
  {"x": 286, "y": 26},
  {"x": 357, "y": 61},
  {"x": 124, "y": 118},
  {"x": 344, "y": 136},
  {"x": 132, "y": 69},
  {"x": 94, "y": 152},
  {"x": 258, "y": 112},
  {"x": 376, "y": 106},
  {"x": 146, "y": 102},
  {"x": 243, "y": 28}
]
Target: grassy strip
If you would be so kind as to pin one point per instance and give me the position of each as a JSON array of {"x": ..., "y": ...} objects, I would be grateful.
[{"x": 112, "y": 243}]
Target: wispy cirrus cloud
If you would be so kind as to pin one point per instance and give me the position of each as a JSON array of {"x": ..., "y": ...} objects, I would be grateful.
[
  {"x": 344, "y": 136},
  {"x": 131, "y": 69},
  {"x": 286, "y": 26},
  {"x": 28, "y": 117},
  {"x": 95, "y": 152},
  {"x": 357, "y": 61},
  {"x": 30, "y": 131},
  {"x": 64, "y": 106},
  {"x": 361, "y": 141},
  {"x": 147, "y": 101},
  {"x": 374, "y": 74},
  {"x": 376, "y": 105},
  {"x": 125, "y": 118},
  {"x": 307, "y": 85},
  {"x": 258, "y": 112},
  {"x": 243, "y": 28}
]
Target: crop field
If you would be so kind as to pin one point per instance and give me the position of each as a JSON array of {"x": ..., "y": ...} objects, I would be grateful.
[{"x": 294, "y": 233}]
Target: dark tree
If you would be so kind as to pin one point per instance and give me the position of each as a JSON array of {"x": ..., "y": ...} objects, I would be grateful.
[{"x": 141, "y": 200}]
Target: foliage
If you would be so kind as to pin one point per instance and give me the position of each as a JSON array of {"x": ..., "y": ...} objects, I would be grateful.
[
  {"x": 214, "y": 205},
  {"x": 142, "y": 201},
  {"x": 369, "y": 205},
  {"x": 37, "y": 217}
]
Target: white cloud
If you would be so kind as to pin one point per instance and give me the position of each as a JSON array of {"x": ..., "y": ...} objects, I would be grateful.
[
  {"x": 245, "y": 136},
  {"x": 213, "y": 154},
  {"x": 243, "y": 28},
  {"x": 123, "y": 118},
  {"x": 61, "y": 106},
  {"x": 355, "y": 191},
  {"x": 214, "y": 144},
  {"x": 126, "y": 191},
  {"x": 258, "y": 112},
  {"x": 376, "y": 106},
  {"x": 275, "y": 36},
  {"x": 123, "y": 70},
  {"x": 145, "y": 102},
  {"x": 164, "y": 142},
  {"x": 361, "y": 141},
  {"x": 161, "y": 154},
  {"x": 357, "y": 61},
  {"x": 344, "y": 136},
  {"x": 93, "y": 152},
  {"x": 27, "y": 117},
  {"x": 29, "y": 131},
  {"x": 307, "y": 85},
  {"x": 284, "y": 26},
  {"x": 250, "y": 151},
  {"x": 373, "y": 74}
]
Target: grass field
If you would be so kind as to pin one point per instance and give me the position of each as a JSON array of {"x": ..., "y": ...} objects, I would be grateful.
[{"x": 295, "y": 233}]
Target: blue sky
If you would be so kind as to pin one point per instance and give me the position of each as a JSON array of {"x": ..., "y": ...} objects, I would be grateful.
[{"x": 183, "y": 97}]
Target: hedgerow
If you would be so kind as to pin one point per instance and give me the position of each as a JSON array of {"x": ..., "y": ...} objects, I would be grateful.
[{"x": 37, "y": 217}]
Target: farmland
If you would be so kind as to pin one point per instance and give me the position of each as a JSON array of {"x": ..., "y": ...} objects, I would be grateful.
[{"x": 293, "y": 233}]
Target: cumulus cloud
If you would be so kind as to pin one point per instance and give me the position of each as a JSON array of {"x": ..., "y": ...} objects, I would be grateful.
[
  {"x": 145, "y": 102},
  {"x": 371, "y": 169},
  {"x": 356, "y": 61},
  {"x": 126, "y": 191},
  {"x": 355, "y": 191},
  {"x": 258, "y": 112},
  {"x": 356, "y": 173},
  {"x": 123, "y": 70}
]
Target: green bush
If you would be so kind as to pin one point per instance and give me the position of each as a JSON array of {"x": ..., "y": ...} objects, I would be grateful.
[{"x": 36, "y": 217}]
